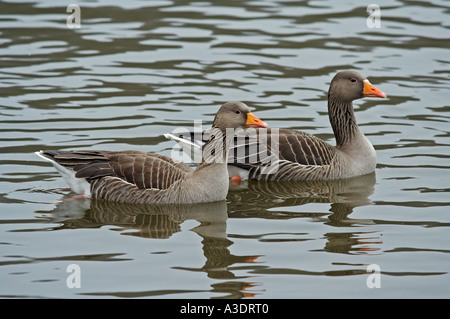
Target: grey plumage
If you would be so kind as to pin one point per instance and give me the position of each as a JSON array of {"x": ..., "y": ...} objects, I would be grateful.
[
  {"x": 140, "y": 177},
  {"x": 289, "y": 155},
  {"x": 302, "y": 156}
]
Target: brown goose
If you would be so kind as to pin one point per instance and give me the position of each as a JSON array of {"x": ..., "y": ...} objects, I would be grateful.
[
  {"x": 140, "y": 177},
  {"x": 295, "y": 155}
]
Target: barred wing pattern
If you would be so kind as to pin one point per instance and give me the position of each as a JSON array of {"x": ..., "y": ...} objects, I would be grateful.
[
  {"x": 145, "y": 170},
  {"x": 279, "y": 154},
  {"x": 289, "y": 155}
]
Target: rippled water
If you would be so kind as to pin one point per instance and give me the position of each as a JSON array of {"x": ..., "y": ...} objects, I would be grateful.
[{"x": 135, "y": 70}]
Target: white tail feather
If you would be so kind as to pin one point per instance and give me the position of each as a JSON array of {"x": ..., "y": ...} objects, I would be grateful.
[{"x": 78, "y": 185}]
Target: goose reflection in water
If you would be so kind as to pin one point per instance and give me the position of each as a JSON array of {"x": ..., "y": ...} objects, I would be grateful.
[
  {"x": 161, "y": 222},
  {"x": 267, "y": 200}
]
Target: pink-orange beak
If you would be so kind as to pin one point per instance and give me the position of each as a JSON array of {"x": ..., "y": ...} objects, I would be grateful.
[
  {"x": 372, "y": 91},
  {"x": 253, "y": 121}
]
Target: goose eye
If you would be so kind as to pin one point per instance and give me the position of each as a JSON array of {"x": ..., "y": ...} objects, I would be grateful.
[
  {"x": 238, "y": 112},
  {"x": 353, "y": 80}
]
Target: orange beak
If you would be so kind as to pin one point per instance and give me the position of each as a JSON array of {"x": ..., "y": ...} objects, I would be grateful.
[
  {"x": 253, "y": 121},
  {"x": 371, "y": 91}
]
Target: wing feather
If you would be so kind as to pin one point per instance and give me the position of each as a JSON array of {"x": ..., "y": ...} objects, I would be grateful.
[{"x": 145, "y": 170}]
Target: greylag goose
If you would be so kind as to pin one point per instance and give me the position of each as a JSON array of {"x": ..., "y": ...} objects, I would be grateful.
[
  {"x": 295, "y": 155},
  {"x": 140, "y": 177}
]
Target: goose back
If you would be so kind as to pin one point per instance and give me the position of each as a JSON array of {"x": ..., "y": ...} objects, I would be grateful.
[
  {"x": 140, "y": 177},
  {"x": 145, "y": 170}
]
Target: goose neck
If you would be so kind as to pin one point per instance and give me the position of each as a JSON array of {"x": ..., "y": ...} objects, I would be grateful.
[
  {"x": 342, "y": 119},
  {"x": 217, "y": 148}
]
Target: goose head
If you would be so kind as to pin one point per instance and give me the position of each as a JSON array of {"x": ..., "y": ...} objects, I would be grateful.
[
  {"x": 230, "y": 117},
  {"x": 236, "y": 114},
  {"x": 347, "y": 86}
]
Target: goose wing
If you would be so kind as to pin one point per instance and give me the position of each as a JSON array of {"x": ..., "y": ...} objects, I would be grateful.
[
  {"x": 290, "y": 145},
  {"x": 272, "y": 154},
  {"x": 302, "y": 148},
  {"x": 283, "y": 154},
  {"x": 145, "y": 170}
]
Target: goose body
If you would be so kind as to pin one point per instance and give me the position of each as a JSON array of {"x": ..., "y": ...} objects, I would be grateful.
[
  {"x": 302, "y": 156},
  {"x": 141, "y": 177},
  {"x": 296, "y": 155}
]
